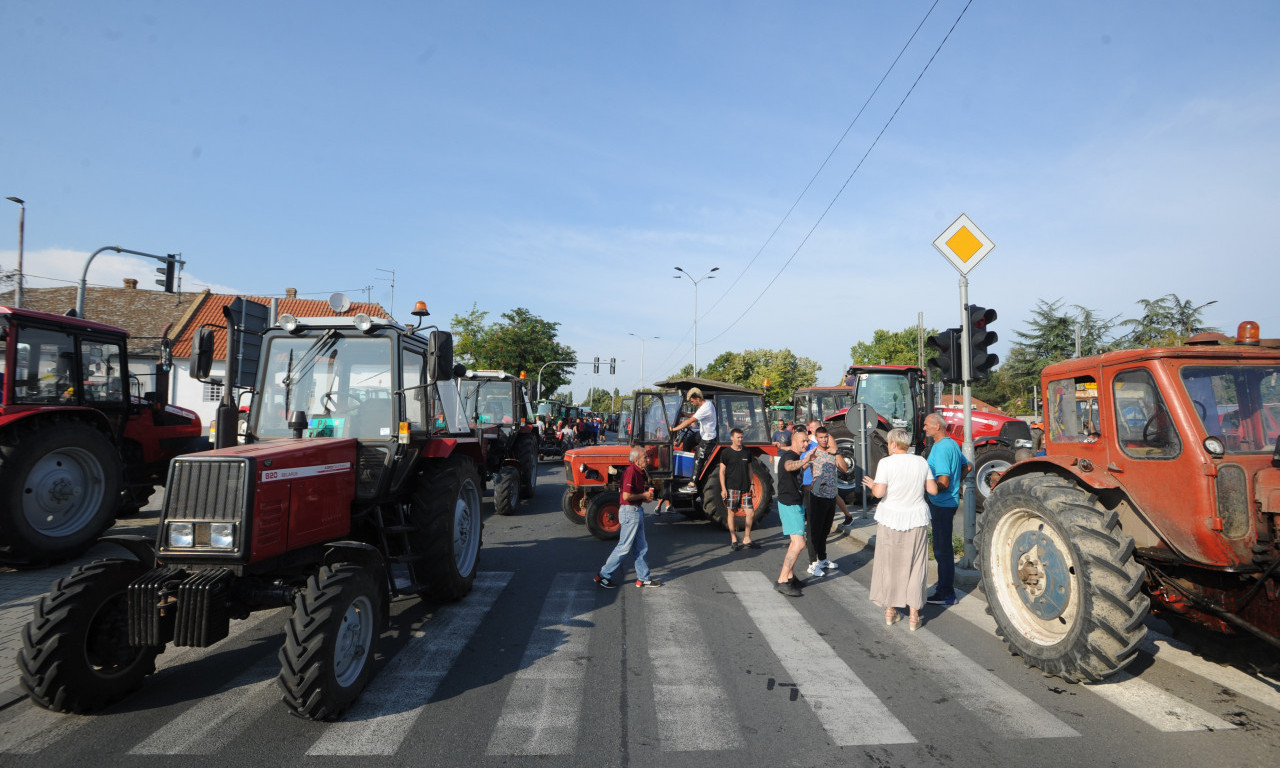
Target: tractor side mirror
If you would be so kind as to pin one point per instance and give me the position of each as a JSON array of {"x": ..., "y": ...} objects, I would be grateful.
[
  {"x": 440, "y": 355},
  {"x": 201, "y": 362}
]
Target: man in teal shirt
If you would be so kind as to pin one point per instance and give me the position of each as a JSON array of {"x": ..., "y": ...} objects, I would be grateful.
[{"x": 949, "y": 466}]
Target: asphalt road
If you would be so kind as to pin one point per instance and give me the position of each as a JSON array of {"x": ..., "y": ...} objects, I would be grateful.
[{"x": 540, "y": 667}]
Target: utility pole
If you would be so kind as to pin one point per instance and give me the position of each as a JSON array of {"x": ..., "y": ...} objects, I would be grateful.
[
  {"x": 22, "y": 225},
  {"x": 391, "y": 310}
]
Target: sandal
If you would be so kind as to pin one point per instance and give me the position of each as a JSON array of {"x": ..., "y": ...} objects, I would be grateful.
[
  {"x": 892, "y": 617},
  {"x": 916, "y": 622},
  {"x": 752, "y": 544},
  {"x": 735, "y": 546}
]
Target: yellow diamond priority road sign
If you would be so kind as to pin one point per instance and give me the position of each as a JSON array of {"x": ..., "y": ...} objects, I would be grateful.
[{"x": 963, "y": 244}]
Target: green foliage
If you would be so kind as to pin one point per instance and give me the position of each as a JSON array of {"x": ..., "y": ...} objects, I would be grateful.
[
  {"x": 1165, "y": 322},
  {"x": 785, "y": 371},
  {"x": 521, "y": 342},
  {"x": 890, "y": 347}
]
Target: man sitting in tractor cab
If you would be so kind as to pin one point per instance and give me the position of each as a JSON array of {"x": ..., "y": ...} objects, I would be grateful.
[{"x": 705, "y": 417}]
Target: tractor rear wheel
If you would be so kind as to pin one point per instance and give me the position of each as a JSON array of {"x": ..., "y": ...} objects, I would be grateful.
[
  {"x": 602, "y": 515},
  {"x": 574, "y": 505},
  {"x": 761, "y": 499},
  {"x": 1060, "y": 578},
  {"x": 527, "y": 458},
  {"x": 327, "y": 657},
  {"x": 506, "y": 485},
  {"x": 75, "y": 653},
  {"x": 59, "y": 490},
  {"x": 990, "y": 463},
  {"x": 446, "y": 512}
]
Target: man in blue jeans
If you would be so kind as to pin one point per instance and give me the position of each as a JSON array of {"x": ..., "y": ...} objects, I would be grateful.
[
  {"x": 949, "y": 465},
  {"x": 634, "y": 492}
]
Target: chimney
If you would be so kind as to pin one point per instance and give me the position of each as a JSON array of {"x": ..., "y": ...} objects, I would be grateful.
[
  {"x": 291, "y": 293},
  {"x": 131, "y": 283}
]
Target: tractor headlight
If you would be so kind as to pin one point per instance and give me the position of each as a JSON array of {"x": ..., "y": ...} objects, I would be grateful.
[
  {"x": 181, "y": 534},
  {"x": 222, "y": 535},
  {"x": 1021, "y": 443}
]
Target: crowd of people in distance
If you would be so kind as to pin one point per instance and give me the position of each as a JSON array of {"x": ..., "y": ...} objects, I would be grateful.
[{"x": 572, "y": 432}]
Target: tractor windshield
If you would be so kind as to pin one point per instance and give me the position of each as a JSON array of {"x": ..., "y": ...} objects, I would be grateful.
[
  {"x": 343, "y": 384},
  {"x": 1239, "y": 403},
  {"x": 890, "y": 395},
  {"x": 486, "y": 401}
]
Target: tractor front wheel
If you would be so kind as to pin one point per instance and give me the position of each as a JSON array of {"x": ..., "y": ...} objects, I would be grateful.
[
  {"x": 602, "y": 515},
  {"x": 1060, "y": 578},
  {"x": 75, "y": 654},
  {"x": 574, "y": 505},
  {"x": 327, "y": 657}
]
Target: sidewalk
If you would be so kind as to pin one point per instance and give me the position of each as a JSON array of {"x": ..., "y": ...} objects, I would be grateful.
[{"x": 19, "y": 591}]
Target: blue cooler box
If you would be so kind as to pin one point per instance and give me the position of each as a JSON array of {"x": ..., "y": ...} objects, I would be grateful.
[{"x": 683, "y": 461}]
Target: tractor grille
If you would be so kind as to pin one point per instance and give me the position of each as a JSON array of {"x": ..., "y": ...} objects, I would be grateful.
[
  {"x": 207, "y": 489},
  {"x": 1015, "y": 430},
  {"x": 1233, "y": 500}
]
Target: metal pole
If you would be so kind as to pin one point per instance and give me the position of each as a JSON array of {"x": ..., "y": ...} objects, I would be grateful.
[
  {"x": 84, "y": 276},
  {"x": 22, "y": 220},
  {"x": 970, "y": 480},
  {"x": 695, "y": 308}
]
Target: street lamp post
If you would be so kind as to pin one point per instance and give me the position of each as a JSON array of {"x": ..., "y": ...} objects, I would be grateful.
[
  {"x": 695, "y": 308},
  {"x": 22, "y": 219},
  {"x": 642, "y": 339}
]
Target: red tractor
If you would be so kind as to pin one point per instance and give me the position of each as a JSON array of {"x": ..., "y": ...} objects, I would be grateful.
[
  {"x": 76, "y": 446},
  {"x": 358, "y": 482},
  {"x": 1159, "y": 489},
  {"x": 498, "y": 408},
  {"x": 593, "y": 474},
  {"x": 898, "y": 393}
]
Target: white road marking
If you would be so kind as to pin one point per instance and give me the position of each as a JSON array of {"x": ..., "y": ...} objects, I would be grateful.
[
  {"x": 381, "y": 718},
  {"x": 219, "y": 719},
  {"x": 694, "y": 713},
  {"x": 849, "y": 711},
  {"x": 1166, "y": 648}
]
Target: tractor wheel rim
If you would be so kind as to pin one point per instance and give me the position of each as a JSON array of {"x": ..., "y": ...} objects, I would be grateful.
[
  {"x": 355, "y": 637},
  {"x": 63, "y": 492},
  {"x": 464, "y": 527},
  {"x": 1035, "y": 577},
  {"x": 983, "y": 478}
]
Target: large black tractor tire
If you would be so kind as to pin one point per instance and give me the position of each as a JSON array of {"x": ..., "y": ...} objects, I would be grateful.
[
  {"x": 990, "y": 462},
  {"x": 762, "y": 499},
  {"x": 1060, "y": 578},
  {"x": 59, "y": 490},
  {"x": 527, "y": 458},
  {"x": 574, "y": 505},
  {"x": 446, "y": 512},
  {"x": 75, "y": 653},
  {"x": 506, "y": 486},
  {"x": 329, "y": 641},
  {"x": 602, "y": 515}
]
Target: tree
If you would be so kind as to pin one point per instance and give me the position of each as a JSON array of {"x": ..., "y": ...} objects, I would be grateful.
[
  {"x": 9, "y": 278},
  {"x": 1165, "y": 322},
  {"x": 890, "y": 347},
  {"x": 521, "y": 342},
  {"x": 785, "y": 371}
]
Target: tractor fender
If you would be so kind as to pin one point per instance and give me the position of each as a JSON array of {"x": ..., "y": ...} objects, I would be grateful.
[
  {"x": 91, "y": 416},
  {"x": 141, "y": 547},
  {"x": 366, "y": 556}
]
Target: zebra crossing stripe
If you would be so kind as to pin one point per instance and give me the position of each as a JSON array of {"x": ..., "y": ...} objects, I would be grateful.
[
  {"x": 1006, "y": 711},
  {"x": 1154, "y": 706},
  {"x": 1176, "y": 652},
  {"x": 849, "y": 711},
  {"x": 219, "y": 719},
  {"x": 35, "y": 729},
  {"x": 381, "y": 718},
  {"x": 692, "y": 707},
  {"x": 541, "y": 713}
]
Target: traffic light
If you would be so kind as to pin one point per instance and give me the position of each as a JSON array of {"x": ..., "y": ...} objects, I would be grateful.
[
  {"x": 597, "y": 368},
  {"x": 167, "y": 273},
  {"x": 613, "y": 366},
  {"x": 980, "y": 360},
  {"x": 947, "y": 359}
]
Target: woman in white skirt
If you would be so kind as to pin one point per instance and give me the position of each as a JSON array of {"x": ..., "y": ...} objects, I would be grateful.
[{"x": 900, "y": 567}]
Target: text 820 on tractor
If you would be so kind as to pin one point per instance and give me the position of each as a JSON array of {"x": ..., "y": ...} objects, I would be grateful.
[{"x": 357, "y": 483}]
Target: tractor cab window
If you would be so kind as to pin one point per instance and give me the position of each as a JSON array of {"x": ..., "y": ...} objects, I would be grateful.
[
  {"x": 656, "y": 414},
  {"x": 46, "y": 372},
  {"x": 1239, "y": 403},
  {"x": 890, "y": 395},
  {"x": 1145, "y": 427},
  {"x": 342, "y": 384},
  {"x": 415, "y": 400},
  {"x": 102, "y": 378},
  {"x": 1072, "y": 410},
  {"x": 486, "y": 401},
  {"x": 745, "y": 412},
  {"x": 828, "y": 404}
]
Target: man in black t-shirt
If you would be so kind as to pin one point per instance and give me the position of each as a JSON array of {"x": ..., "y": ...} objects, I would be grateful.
[
  {"x": 791, "y": 508},
  {"x": 735, "y": 489}
]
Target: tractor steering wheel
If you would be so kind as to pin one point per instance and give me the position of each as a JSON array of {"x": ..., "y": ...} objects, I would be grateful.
[{"x": 331, "y": 400}]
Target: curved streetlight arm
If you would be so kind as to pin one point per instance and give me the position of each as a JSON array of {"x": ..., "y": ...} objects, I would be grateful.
[
  {"x": 84, "y": 276},
  {"x": 538, "y": 392}
]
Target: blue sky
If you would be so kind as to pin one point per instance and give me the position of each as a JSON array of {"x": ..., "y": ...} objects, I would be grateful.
[{"x": 565, "y": 156}]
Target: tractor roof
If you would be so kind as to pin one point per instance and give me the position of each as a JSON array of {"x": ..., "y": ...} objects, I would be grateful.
[{"x": 708, "y": 386}]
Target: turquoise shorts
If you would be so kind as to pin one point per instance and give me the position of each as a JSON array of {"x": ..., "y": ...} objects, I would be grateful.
[{"x": 792, "y": 517}]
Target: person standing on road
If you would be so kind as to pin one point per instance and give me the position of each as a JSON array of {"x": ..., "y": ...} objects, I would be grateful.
[
  {"x": 704, "y": 416},
  {"x": 949, "y": 467},
  {"x": 820, "y": 511},
  {"x": 900, "y": 565},
  {"x": 781, "y": 437},
  {"x": 791, "y": 509},
  {"x": 635, "y": 491},
  {"x": 735, "y": 489}
]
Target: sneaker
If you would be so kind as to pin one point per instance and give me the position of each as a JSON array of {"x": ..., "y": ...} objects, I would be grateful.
[
  {"x": 687, "y": 488},
  {"x": 605, "y": 582},
  {"x": 935, "y": 600},
  {"x": 815, "y": 569},
  {"x": 847, "y": 525},
  {"x": 648, "y": 582},
  {"x": 788, "y": 589},
  {"x": 797, "y": 583},
  {"x": 827, "y": 565}
]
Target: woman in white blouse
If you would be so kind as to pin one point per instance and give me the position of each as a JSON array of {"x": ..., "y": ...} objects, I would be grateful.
[{"x": 900, "y": 567}]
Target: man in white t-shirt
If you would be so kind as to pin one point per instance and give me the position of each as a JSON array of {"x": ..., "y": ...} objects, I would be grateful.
[{"x": 705, "y": 417}]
